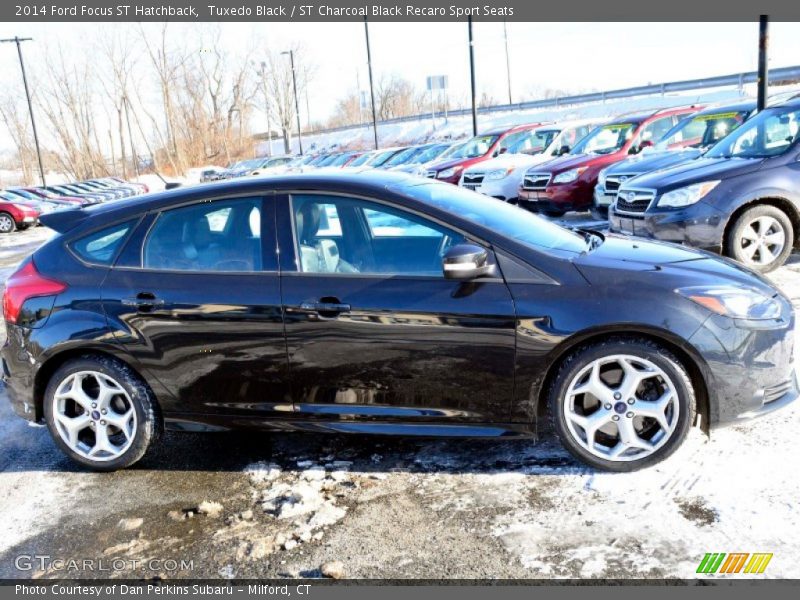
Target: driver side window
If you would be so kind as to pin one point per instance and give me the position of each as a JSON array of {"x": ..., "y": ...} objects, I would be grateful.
[{"x": 336, "y": 234}]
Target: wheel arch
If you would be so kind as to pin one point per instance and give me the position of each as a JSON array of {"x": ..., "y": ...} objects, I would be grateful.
[
  {"x": 781, "y": 202},
  {"x": 55, "y": 361},
  {"x": 689, "y": 358}
]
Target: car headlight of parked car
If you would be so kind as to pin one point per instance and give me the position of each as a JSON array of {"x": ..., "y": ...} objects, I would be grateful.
[
  {"x": 688, "y": 195},
  {"x": 601, "y": 177},
  {"x": 569, "y": 176},
  {"x": 447, "y": 173},
  {"x": 734, "y": 302},
  {"x": 496, "y": 174}
]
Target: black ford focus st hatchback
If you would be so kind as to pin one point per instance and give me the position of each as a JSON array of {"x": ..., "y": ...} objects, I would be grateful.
[{"x": 379, "y": 303}]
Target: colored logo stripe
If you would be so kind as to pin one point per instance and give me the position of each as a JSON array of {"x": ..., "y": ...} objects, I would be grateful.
[{"x": 716, "y": 562}]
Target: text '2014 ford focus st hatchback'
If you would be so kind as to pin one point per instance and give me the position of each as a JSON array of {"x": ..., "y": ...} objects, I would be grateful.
[{"x": 380, "y": 303}]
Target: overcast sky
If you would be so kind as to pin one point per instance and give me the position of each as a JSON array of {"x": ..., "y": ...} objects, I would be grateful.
[{"x": 571, "y": 56}]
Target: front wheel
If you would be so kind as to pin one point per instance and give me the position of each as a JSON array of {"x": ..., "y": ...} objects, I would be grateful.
[
  {"x": 7, "y": 223},
  {"x": 100, "y": 413},
  {"x": 761, "y": 238},
  {"x": 622, "y": 404}
]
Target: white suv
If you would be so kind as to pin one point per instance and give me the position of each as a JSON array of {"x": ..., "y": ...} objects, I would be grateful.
[{"x": 501, "y": 176}]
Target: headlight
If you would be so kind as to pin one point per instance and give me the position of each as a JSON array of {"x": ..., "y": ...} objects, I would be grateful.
[
  {"x": 687, "y": 195},
  {"x": 568, "y": 176},
  {"x": 734, "y": 302},
  {"x": 601, "y": 177},
  {"x": 497, "y": 174},
  {"x": 447, "y": 172}
]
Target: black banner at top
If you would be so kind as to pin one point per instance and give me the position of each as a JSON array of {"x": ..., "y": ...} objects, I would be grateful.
[{"x": 387, "y": 10}]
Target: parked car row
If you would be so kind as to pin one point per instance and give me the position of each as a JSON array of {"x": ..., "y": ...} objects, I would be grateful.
[{"x": 21, "y": 207}]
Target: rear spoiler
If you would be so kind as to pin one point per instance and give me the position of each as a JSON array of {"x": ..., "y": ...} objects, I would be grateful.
[{"x": 64, "y": 220}]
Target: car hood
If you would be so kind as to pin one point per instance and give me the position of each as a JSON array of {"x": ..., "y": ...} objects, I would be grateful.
[
  {"x": 572, "y": 161},
  {"x": 652, "y": 161},
  {"x": 618, "y": 254},
  {"x": 453, "y": 162},
  {"x": 701, "y": 169},
  {"x": 508, "y": 161}
]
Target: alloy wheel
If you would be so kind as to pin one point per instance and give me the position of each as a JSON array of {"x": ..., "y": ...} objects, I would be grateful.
[
  {"x": 621, "y": 408},
  {"x": 6, "y": 224},
  {"x": 94, "y": 415},
  {"x": 762, "y": 240}
]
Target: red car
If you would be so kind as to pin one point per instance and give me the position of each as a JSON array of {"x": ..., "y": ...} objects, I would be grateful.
[
  {"x": 16, "y": 215},
  {"x": 567, "y": 183},
  {"x": 478, "y": 149},
  {"x": 48, "y": 195}
]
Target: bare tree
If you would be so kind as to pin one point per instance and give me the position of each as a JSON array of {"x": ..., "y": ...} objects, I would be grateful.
[
  {"x": 281, "y": 90},
  {"x": 397, "y": 97},
  {"x": 17, "y": 121}
]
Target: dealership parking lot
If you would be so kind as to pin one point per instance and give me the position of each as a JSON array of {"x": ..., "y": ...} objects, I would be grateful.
[{"x": 249, "y": 505}]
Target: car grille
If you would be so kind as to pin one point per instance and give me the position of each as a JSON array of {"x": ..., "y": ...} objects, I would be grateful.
[
  {"x": 775, "y": 392},
  {"x": 535, "y": 181},
  {"x": 473, "y": 178},
  {"x": 431, "y": 174},
  {"x": 634, "y": 201},
  {"x": 613, "y": 182}
]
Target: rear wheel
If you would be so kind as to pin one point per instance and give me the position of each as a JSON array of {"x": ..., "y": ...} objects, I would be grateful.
[
  {"x": 622, "y": 404},
  {"x": 7, "y": 223},
  {"x": 100, "y": 413},
  {"x": 761, "y": 238}
]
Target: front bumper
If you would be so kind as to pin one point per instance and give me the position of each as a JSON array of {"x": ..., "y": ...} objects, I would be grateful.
[
  {"x": 562, "y": 197},
  {"x": 751, "y": 368},
  {"x": 700, "y": 225},
  {"x": 502, "y": 189}
]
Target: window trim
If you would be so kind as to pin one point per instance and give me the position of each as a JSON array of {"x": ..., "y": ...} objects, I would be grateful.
[
  {"x": 263, "y": 197},
  {"x": 289, "y": 195},
  {"x": 134, "y": 221}
]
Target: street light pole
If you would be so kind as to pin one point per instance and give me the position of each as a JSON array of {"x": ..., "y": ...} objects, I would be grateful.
[
  {"x": 763, "y": 75},
  {"x": 371, "y": 88},
  {"x": 18, "y": 40},
  {"x": 266, "y": 106},
  {"x": 472, "y": 76},
  {"x": 508, "y": 62},
  {"x": 296, "y": 101}
]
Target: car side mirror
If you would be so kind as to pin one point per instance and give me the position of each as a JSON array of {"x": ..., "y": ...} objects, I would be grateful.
[
  {"x": 564, "y": 150},
  {"x": 645, "y": 144},
  {"x": 467, "y": 261},
  {"x": 502, "y": 150}
]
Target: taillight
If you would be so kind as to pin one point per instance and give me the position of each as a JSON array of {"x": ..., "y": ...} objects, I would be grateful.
[{"x": 24, "y": 284}]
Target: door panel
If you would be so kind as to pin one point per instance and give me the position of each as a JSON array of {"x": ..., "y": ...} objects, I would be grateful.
[
  {"x": 214, "y": 338},
  {"x": 367, "y": 341}
]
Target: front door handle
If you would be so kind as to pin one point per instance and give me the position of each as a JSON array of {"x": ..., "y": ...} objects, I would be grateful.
[
  {"x": 143, "y": 302},
  {"x": 326, "y": 307}
]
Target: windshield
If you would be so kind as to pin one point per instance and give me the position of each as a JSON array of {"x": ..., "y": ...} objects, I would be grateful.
[
  {"x": 430, "y": 153},
  {"x": 381, "y": 157},
  {"x": 402, "y": 157},
  {"x": 769, "y": 133},
  {"x": 702, "y": 130},
  {"x": 606, "y": 139},
  {"x": 361, "y": 159},
  {"x": 341, "y": 159},
  {"x": 503, "y": 218},
  {"x": 477, "y": 146},
  {"x": 531, "y": 142}
]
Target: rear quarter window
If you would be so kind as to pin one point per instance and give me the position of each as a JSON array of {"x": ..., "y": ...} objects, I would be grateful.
[{"x": 102, "y": 246}]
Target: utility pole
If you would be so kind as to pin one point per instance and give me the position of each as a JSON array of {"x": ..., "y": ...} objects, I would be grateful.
[
  {"x": 266, "y": 105},
  {"x": 371, "y": 88},
  {"x": 18, "y": 41},
  {"x": 472, "y": 77},
  {"x": 508, "y": 61},
  {"x": 130, "y": 135},
  {"x": 763, "y": 73},
  {"x": 296, "y": 101}
]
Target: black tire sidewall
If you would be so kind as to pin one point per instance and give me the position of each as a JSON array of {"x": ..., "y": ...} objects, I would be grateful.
[
  {"x": 762, "y": 210},
  {"x": 639, "y": 348},
  {"x": 148, "y": 425}
]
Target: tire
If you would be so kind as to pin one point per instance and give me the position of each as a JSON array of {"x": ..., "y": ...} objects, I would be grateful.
[
  {"x": 130, "y": 401},
  {"x": 749, "y": 239},
  {"x": 7, "y": 223},
  {"x": 662, "y": 377}
]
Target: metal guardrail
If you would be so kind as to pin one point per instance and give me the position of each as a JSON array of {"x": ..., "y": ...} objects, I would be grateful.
[{"x": 782, "y": 75}]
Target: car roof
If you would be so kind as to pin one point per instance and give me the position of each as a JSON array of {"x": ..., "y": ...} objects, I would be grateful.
[{"x": 748, "y": 104}]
